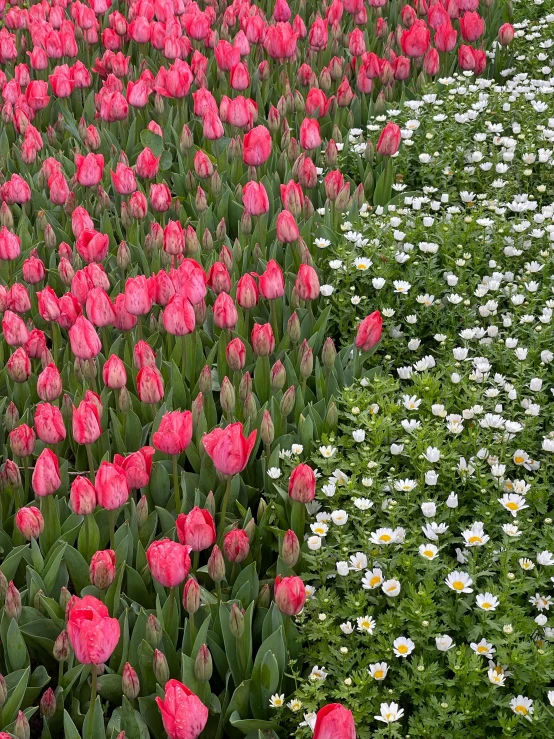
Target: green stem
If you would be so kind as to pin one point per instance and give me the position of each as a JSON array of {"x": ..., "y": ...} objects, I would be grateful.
[
  {"x": 94, "y": 674},
  {"x": 176, "y": 484},
  {"x": 224, "y": 507},
  {"x": 87, "y": 535},
  {"x": 60, "y": 675},
  {"x": 90, "y": 458},
  {"x": 112, "y": 530},
  {"x": 183, "y": 358},
  {"x": 195, "y": 558}
]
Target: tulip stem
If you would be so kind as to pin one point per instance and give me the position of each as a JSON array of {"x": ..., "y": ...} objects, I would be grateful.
[
  {"x": 112, "y": 530},
  {"x": 176, "y": 483},
  {"x": 55, "y": 341},
  {"x": 273, "y": 319},
  {"x": 195, "y": 558},
  {"x": 224, "y": 507},
  {"x": 90, "y": 458},
  {"x": 183, "y": 358},
  {"x": 27, "y": 477},
  {"x": 355, "y": 362},
  {"x": 94, "y": 673},
  {"x": 87, "y": 535}
]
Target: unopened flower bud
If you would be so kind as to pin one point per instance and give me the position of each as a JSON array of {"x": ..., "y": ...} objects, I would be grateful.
[
  {"x": 221, "y": 230},
  {"x": 191, "y": 596},
  {"x": 49, "y": 237},
  {"x": 153, "y": 631},
  {"x": 293, "y": 328},
  {"x": 236, "y": 621},
  {"x": 102, "y": 569},
  {"x": 307, "y": 362},
  {"x": 250, "y": 530},
  {"x": 287, "y": 401},
  {"x": 11, "y": 417},
  {"x": 278, "y": 376},
  {"x": 207, "y": 241},
  {"x": 332, "y": 417},
  {"x": 142, "y": 511},
  {"x": 65, "y": 597},
  {"x": 264, "y": 597},
  {"x": 62, "y": 647},
  {"x": 186, "y": 141},
  {"x": 290, "y": 550},
  {"x": 203, "y": 666},
  {"x": 3, "y": 691},
  {"x": 130, "y": 682},
  {"x": 216, "y": 565},
  {"x": 12, "y": 603},
  {"x": 216, "y": 184},
  {"x": 205, "y": 381},
  {"x": 329, "y": 353},
  {"x": 249, "y": 408},
  {"x": 48, "y": 704},
  {"x": 245, "y": 386},
  {"x": 227, "y": 396},
  {"x": 267, "y": 430},
  {"x": 21, "y": 728},
  {"x": 3, "y": 587},
  {"x": 161, "y": 668},
  {"x": 123, "y": 255},
  {"x": 124, "y": 400},
  {"x": 262, "y": 507}
]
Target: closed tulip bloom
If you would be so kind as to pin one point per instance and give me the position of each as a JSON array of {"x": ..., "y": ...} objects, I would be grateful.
[
  {"x": 255, "y": 199},
  {"x": 123, "y": 179},
  {"x": 124, "y": 321},
  {"x": 333, "y": 182},
  {"x": 35, "y": 344},
  {"x": 389, "y": 140},
  {"x": 292, "y": 197},
  {"x": 184, "y": 716},
  {"x": 14, "y": 329},
  {"x": 271, "y": 282},
  {"x": 82, "y": 496},
  {"x": 236, "y": 545},
  {"x": 302, "y": 484},
  {"x": 46, "y": 475},
  {"x": 111, "y": 486},
  {"x": 10, "y": 245},
  {"x": 86, "y": 423},
  {"x": 228, "y": 448},
  {"x": 472, "y": 26},
  {"x": 19, "y": 365},
  {"x": 506, "y": 34},
  {"x": 174, "y": 434},
  {"x": 138, "y": 299},
  {"x": 169, "y": 562},
  {"x": 160, "y": 197},
  {"x": 137, "y": 466},
  {"x": 235, "y": 353},
  {"x": 114, "y": 374},
  {"x": 286, "y": 227},
  {"x": 310, "y": 135},
  {"x": 178, "y": 316},
  {"x": 174, "y": 238},
  {"x": 49, "y": 383},
  {"x": 262, "y": 339},
  {"x": 219, "y": 279},
  {"x": 99, "y": 308},
  {"x": 48, "y": 304},
  {"x": 49, "y": 424},
  {"x": 445, "y": 37},
  {"x": 225, "y": 311},
  {"x": 89, "y": 169},
  {"x": 92, "y": 246},
  {"x": 30, "y": 522},
  {"x": 256, "y": 147},
  {"x": 92, "y": 633},
  {"x": 290, "y": 595},
  {"x": 196, "y": 529},
  {"x": 431, "y": 62},
  {"x": 143, "y": 355},
  {"x": 203, "y": 165},
  {"x": 415, "y": 40},
  {"x": 150, "y": 385},
  {"x": 369, "y": 331},
  {"x": 334, "y": 721},
  {"x": 84, "y": 340},
  {"x": 307, "y": 283},
  {"x": 247, "y": 292},
  {"x": 22, "y": 440},
  {"x": 102, "y": 569},
  {"x": 34, "y": 270}
]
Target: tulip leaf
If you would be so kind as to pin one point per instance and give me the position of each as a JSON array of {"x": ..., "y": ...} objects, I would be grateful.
[
  {"x": 132, "y": 722},
  {"x": 136, "y": 590},
  {"x": 248, "y": 576},
  {"x": 153, "y": 141},
  {"x": 52, "y": 529},
  {"x": 78, "y": 569},
  {"x": 151, "y": 714},
  {"x": 71, "y": 676},
  {"x": 251, "y": 724},
  {"x": 51, "y": 573},
  {"x": 276, "y": 645},
  {"x": 239, "y": 662},
  {"x": 262, "y": 379},
  {"x": 93, "y": 726},
  {"x": 133, "y": 432},
  {"x": 12, "y": 705},
  {"x": 69, "y": 728},
  {"x": 160, "y": 486},
  {"x": 15, "y": 647}
]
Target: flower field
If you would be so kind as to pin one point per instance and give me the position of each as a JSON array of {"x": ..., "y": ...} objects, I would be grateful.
[{"x": 276, "y": 369}]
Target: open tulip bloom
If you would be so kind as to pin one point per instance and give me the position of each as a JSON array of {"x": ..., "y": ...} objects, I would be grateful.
[{"x": 275, "y": 317}]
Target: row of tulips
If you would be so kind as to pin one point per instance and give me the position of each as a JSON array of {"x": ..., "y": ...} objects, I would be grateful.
[{"x": 169, "y": 180}]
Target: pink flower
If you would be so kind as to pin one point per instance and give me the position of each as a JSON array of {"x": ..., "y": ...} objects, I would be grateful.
[
  {"x": 228, "y": 448},
  {"x": 92, "y": 633},
  {"x": 184, "y": 716},
  {"x": 169, "y": 562}
]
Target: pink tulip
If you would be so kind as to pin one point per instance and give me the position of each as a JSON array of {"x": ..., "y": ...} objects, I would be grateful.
[
  {"x": 30, "y": 522},
  {"x": 369, "y": 331},
  {"x": 111, "y": 486},
  {"x": 196, "y": 529},
  {"x": 184, "y": 716},
  {"x": 92, "y": 633},
  {"x": 169, "y": 562},
  {"x": 174, "y": 434},
  {"x": 290, "y": 595},
  {"x": 334, "y": 721},
  {"x": 228, "y": 448},
  {"x": 46, "y": 475}
]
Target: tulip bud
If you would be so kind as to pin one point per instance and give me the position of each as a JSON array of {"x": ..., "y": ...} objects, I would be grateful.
[
  {"x": 12, "y": 474},
  {"x": 123, "y": 256},
  {"x": 293, "y": 328},
  {"x": 249, "y": 408},
  {"x": 205, "y": 381},
  {"x": 161, "y": 668},
  {"x": 207, "y": 242},
  {"x": 200, "y": 313},
  {"x": 262, "y": 507},
  {"x": 11, "y": 417},
  {"x": 124, "y": 400},
  {"x": 290, "y": 550},
  {"x": 142, "y": 511},
  {"x": 250, "y": 530},
  {"x": 245, "y": 386},
  {"x": 264, "y": 597},
  {"x": 197, "y": 405},
  {"x": 236, "y": 621},
  {"x": 191, "y": 596},
  {"x": 130, "y": 682},
  {"x": 203, "y": 666},
  {"x": 216, "y": 565},
  {"x": 186, "y": 141},
  {"x": 37, "y": 601},
  {"x": 328, "y": 353},
  {"x": 65, "y": 597},
  {"x": 227, "y": 396},
  {"x": 49, "y": 237},
  {"x": 153, "y": 631},
  {"x": 62, "y": 647},
  {"x": 48, "y": 704},
  {"x": 267, "y": 430},
  {"x": 221, "y": 230},
  {"x": 21, "y": 728},
  {"x": 306, "y": 361},
  {"x": 12, "y": 604},
  {"x": 3, "y": 691},
  {"x": 102, "y": 569},
  {"x": 288, "y": 401},
  {"x": 6, "y": 216}
]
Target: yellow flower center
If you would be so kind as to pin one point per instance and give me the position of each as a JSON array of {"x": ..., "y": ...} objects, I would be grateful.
[
  {"x": 429, "y": 553},
  {"x": 512, "y": 506},
  {"x": 378, "y": 674},
  {"x": 375, "y": 580},
  {"x": 391, "y": 588},
  {"x": 361, "y": 266},
  {"x": 482, "y": 650},
  {"x": 385, "y": 537},
  {"x": 522, "y": 710},
  {"x": 486, "y": 606},
  {"x": 519, "y": 460},
  {"x": 474, "y": 539},
  {"x": 458, "y": 585},
  {"x": 403, "y": 649}
]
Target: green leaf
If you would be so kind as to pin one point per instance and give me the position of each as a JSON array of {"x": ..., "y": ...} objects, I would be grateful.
[
  {"x": 78, "y": 568},
  {"x": 69, "y": 728},
  {"x": 109, "y": 688},
  {"x": 247, "y": 576},
  {"x": 52, "y": 528},
  {"x": 93, "y": 726},
  {"x": 152, "y": 141},
  {"x": 11, "y": 707},
  {"x": 15, "y": 647},
  {"x": 11, "y": 563}
]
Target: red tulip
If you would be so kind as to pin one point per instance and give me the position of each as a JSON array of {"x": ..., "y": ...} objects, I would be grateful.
[
  {"x": 92, "y": 633},
  {"x": 114, "y": 374},
  {"x": 123, "y": 179},
  {"x": 310, "y": 135},
  {"x": 178, "y": 317},
  {"x": 334, "y": 721},
  {"x": 445, "y": 37},
  {"x": 102, "y": 569},
  {"x": 307, "y": 283},
  {"x": 89, "y": 169},
  {"x": 138, "y": 299},
  {"x": 196, "y": 529},
  {"x": 82, "y": 496},
  {"x": 174, "y": 434},
  {"x": 247, "y": 292},
  {"x": 256, "y": 146},
  {"x": 84, "y": 340},
  {"x": 46, "y": 475},
  {"x": 255, "y": 199},
  {"x": 22, "y": 440},
  {"x": 236, "y": 545},
  {"x": 30, "y": 522},
  {"x": 472, "y": 26},
  {"x": 137, "y": 466},
  {"x": 111, "y": 486},
  {"x": 87, "y": 427},
  {"x": 34, "y": 270},
  {"x": 160, "y": 197},
  {"x": 302, "y": 484},
  {"x": 290, "y": 595},
  {"x": 262, "y": 339},
  {"x": 14, "y": 329},
  {"x": 292, "y": 197},
  {"x": 415, "y": 40},
  {"x": 169, "y": 562},
  {"x": 49, "y": 423},
  {"x": 184, "y": 716},
  {"x": 228, "y": 448},
  {"x": 506, "y": 34},
  {"x": 235, "y": 353},
  {"x": 271, "y": 282},
  {"x": 49, "y": 383},
  {"x": 369, "y": 331},
  {"x": 286, "y": 227},
  {"x": 225, "y": 312},
  {"x": 19, "y": 365},
  {"x": 389, "y": 140}
]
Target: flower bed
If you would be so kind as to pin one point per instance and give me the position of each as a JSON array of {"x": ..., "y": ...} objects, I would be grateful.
[{"x": 274, "y": 298}]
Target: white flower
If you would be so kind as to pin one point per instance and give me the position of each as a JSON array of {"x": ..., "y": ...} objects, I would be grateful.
[
  {"x": 428, "y": 551},
  {"x": 383, "y": 536},
  {"x": 339, "y": 517},
  {"x": 444, "y": 643},
  {"x": 318, "y": 673},
  {"x": 358, "y": 561},
  {"x": 327, "y": 451},
  {"x": 429, "y": 509},
  {"x": 513, "y": 503},
  {"x": 483, "y": 648},
  {"x": 459, "y": 582},
  {"x": 347, "y": 628},
  {"x": 342, "y": 568},
  {"x": 277, "y": 701},
  {"x": 475, "y": 536},
  {"x": 545, "y": 558},
  {"x": 372, "y": 579},
  {"x": 496, "y": 678},
  {"x": 314, "y": 543},
  {"x": 487, "y": 601},
  {"x": 403, "y": 646},
  {"x": 294, "y": 705},
  {"x": 390, "y": 712},
  {"x": 432, "y": 454},
  {"x": 391, "y": 588},
  {"x": 358, "y": 435},
  {"x": 366, "y": 624},
  {"x": 274, "y": 473},
  {"x": 522, "y": 706},
  {"x": 378, "y": 670},
  {"x": 297, "y": 449}
]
